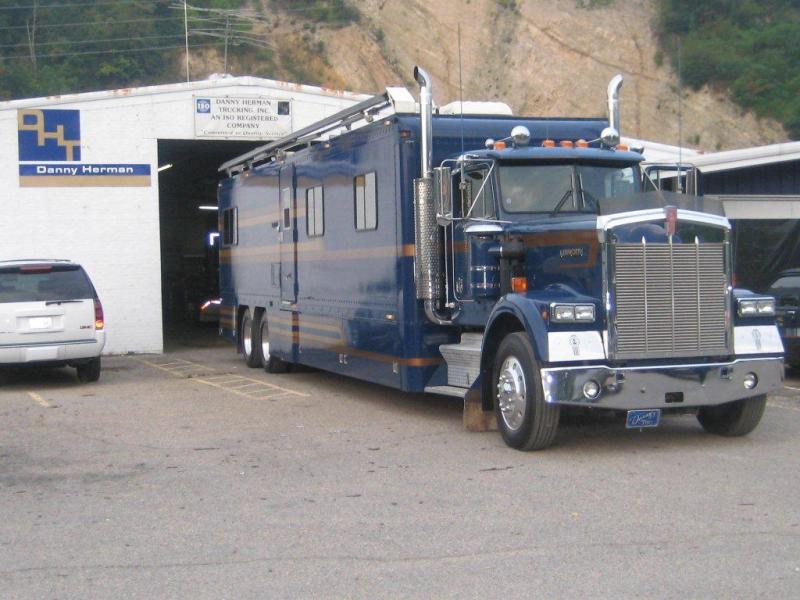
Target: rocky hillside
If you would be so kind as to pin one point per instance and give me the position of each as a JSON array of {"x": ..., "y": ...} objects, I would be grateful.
[{"x": 541, "y": 57}]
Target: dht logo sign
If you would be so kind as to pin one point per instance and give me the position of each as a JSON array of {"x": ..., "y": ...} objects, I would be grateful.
[
  {"x": 203, "y": 105},
  {"x": 49, "y": 135}
]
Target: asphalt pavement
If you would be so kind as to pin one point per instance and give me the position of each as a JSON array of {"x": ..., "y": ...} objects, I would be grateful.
[{"x": 188, "y": 475}]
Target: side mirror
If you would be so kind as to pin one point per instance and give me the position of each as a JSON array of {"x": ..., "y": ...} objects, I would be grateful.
[{"x": 443, "y": 195}]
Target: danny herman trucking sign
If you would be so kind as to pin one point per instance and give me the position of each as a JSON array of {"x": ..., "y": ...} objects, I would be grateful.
[{"x": 241, "y": 117}]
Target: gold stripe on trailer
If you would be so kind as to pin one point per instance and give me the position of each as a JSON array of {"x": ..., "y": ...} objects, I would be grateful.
[{"x": 85, "y": 181}]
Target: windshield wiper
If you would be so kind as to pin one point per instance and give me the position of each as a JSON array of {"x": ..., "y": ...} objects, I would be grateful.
[
  {"x": 49, "y": 302},
  {"x": 561, "y": 202}
]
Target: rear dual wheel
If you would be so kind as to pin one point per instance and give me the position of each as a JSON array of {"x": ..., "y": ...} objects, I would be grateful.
[
  {"x": 249, "y": 335},
  {"x": 272, "y": 364},
  {"x": 256, "y": 344},
  {"x": 524, "y": 419}
]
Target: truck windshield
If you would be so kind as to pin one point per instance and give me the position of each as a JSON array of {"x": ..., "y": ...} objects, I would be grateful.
[{"x": 563, "y": 187}]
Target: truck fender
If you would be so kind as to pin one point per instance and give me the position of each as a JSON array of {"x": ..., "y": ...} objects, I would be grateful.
[{"x": 513, "y": 312}]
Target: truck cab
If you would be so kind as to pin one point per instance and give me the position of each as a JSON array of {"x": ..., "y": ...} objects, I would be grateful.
[{"x": 584, "y": 285}]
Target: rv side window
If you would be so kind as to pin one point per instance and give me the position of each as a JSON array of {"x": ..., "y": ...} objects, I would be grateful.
[
  {"x": 366, "y": 201},
  {"x": 286, "y": 208},
  {"x": 315, "y": 212},
  {"x": 230, "y": 235}
]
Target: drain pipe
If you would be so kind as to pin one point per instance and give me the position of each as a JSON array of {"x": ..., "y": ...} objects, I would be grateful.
[
  {"x": 428, "y": 244},
  {"x": 610, "y": 135}
]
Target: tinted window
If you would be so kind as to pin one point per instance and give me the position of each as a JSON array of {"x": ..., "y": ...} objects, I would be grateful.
[
  {"x": 793, "y": 281},
  {"x": 230, "y": 227},
  {"x": 37, "y": 284},
  {"x": 315, "y": 212},
  {"x": 481, "y": 195},
  {"x": 366, "y": 200}
]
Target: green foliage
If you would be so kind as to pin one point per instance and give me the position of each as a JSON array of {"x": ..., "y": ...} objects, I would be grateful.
[
  {"x": 54, "y": 48},
  {"x": 749, "y": 47},
  {"x": 591, "y": 4},
  {"x": 329, "y": 12}
]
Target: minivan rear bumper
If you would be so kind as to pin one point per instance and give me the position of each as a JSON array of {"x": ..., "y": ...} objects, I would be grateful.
[{"x": 61, "y": 353}]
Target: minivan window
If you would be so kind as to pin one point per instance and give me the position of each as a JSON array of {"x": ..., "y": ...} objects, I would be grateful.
[{"x": 44, "y": 283}]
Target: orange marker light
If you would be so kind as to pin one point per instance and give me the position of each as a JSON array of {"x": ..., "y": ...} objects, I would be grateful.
[
  {"x": 500, "y": 145},
  {"x": 582, "y": 143},
  {"x": 566, "y": 144},
  {"x": 548, "y": 144},
  {"x": 519, "y": 284},
  {"x": 623, "y": 147}
]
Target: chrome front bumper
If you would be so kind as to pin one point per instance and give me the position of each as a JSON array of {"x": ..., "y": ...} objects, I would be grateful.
[{"x": 671, "y": 386}]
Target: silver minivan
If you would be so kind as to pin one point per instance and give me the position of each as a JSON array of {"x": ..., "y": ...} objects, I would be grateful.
[{"x": 50, "y": 315}]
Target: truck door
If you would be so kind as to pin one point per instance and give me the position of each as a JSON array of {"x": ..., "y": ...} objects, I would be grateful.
[{"x": 288, "y": 237}]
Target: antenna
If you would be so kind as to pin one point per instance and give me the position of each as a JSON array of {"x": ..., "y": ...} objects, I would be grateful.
[
  {"x": 186, "y": 36},
  {"x": 462, "y": 184},
  {"x": 680, "y": 115},
  {"x": 460, "y": 90}
]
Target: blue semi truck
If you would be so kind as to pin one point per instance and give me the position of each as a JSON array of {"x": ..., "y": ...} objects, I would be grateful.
[{"x": 523, "y": 264}]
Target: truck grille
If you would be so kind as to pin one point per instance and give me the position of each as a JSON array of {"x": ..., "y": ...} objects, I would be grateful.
[{"x": 670, "y": 300}]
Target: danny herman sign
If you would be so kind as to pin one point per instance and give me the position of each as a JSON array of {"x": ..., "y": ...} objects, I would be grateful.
[
  {"x": 50, "y": 154},
  {"x": 241, "y": 117}
]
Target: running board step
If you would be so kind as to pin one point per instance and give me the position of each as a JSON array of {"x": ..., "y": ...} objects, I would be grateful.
[
  {"x": 447, "y": 390},
  {"x": 463, "y": 360}
]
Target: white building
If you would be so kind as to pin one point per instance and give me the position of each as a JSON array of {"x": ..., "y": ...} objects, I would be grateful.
[{"x": 114, "y": 180}]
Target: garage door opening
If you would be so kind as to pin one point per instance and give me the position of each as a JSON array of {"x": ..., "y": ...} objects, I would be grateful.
[{"x": 187, "y": 187}]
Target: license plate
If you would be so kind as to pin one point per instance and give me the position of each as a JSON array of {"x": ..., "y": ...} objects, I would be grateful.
[
  {"x": 40, "y": 322},
  {"x": 638, "y": 419}
]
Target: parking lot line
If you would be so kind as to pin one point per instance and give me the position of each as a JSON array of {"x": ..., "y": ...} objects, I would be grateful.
[
  {"x": 774, "y": 404},
  {"x": 239, "y": 390},
  {"x": 39, "y": 400},
  {"x": 247, "y": 387}
]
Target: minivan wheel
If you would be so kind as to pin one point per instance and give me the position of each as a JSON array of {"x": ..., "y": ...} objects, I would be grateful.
[
  {"x": 250, "y": 336},
  {"x": 89, "y": 371}
]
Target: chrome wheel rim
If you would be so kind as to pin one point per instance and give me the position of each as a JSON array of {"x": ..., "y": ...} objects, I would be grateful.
[
  {"x": 512, "y": 393},
  {"x": 264, "y": 340},
  {"x": 247, "y": 336}
]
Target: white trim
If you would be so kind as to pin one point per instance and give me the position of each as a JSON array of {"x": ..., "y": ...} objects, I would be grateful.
[
  {"x": 563, "y": 346},
  {"x": 192, "y": 86},
  {"x": 746, "y": 157},
  {"x": 757, "y": 339}
]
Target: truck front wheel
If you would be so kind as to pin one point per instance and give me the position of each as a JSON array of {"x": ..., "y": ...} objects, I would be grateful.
[
  {"x": 734, "y": 418},
  {"x": 524, "y": 419}
]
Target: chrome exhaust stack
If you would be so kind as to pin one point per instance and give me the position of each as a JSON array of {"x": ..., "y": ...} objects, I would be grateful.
[
  {"x": 428, "y": 252},
  {"x": 425, "y": 111},
  {"x": 610, "y": 135}
]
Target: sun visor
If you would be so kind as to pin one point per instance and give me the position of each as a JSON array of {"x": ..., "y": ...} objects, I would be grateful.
[{"x": 647, "y": 200}]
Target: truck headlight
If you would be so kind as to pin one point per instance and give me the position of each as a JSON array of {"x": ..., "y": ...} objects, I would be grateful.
[
  {"x": 748, "y": 308},
  {"x": 766, "y": 308},
  {"x": 572, "y": 313},
  {"x": 761, "y": 307}
]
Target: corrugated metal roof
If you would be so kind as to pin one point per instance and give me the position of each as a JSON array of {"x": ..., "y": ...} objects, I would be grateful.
[{"x": 745, "y": 157}]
